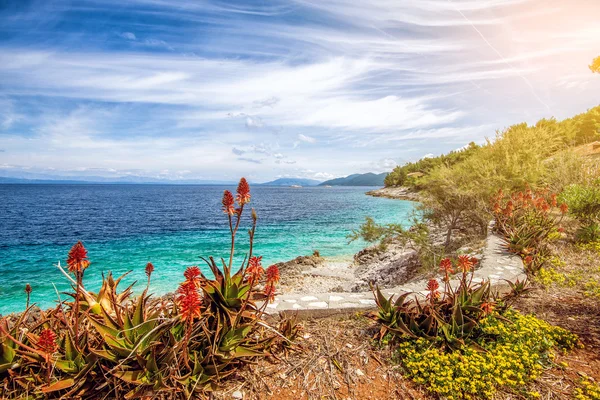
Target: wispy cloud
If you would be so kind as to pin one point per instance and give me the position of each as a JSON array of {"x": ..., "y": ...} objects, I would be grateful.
[{"x": 281, "y": 88}]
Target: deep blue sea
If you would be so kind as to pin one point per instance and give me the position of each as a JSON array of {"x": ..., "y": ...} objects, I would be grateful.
[{"x": 125, "y": 226}]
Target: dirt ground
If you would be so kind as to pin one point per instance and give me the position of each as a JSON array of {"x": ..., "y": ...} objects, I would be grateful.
[{"x": 337, "y": 359}]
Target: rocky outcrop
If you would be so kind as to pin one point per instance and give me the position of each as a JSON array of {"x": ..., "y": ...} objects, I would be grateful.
[
  {"x": 393, "y": 266},
  {"x": 399, "y": 193}
]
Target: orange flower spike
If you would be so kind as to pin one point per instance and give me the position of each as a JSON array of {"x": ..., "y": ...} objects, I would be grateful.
[
  {"x": 255, "y": 269},
  {"x": 77, "y": 258},
  {"x": 564, "y": 208},
  {"x": 228, "y": 207},
  {"x": 497, "y": 208},
  {"x": 487, "y": 308},
  {"x": 433, "y": 285},
  {"x": 243, "y": 192},
  {"x": 193, "y": 274},
  {"x": 149, "y": 269},
  {"x": 273, "y": 274},
  {"x": 446, "y": 266},
  {"x": 47, "y": 341},
  {"x": 553, "y": 200},
  {"x": 188, "y": 299},
  {"x": 465, "y": 263}
]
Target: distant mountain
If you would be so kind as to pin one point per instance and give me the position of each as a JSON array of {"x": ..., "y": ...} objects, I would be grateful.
[
  {"x": 292, "y": 181},
  {"x": 50, "y": 179},
  {"x": 368, "y": 179}
]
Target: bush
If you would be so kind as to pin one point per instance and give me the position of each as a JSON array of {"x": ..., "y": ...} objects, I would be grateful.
[
  {"x": 463, "y": 343},
  {"x": 111, "y": 345},
  {"x": 448, "y": 318},
  {"x": 584, "y": 204},
  {"x": 527, "y": 224},
  {"x": 516, "y": 350}
]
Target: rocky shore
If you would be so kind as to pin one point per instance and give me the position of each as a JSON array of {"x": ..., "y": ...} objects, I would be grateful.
[
  {"x": 399, "y": 193},
  {"x": 393, "y": 266}
]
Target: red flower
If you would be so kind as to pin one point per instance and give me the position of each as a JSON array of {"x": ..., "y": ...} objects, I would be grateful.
[
  {"x": 497, "y": 208},
  {"x": 47, "y": 341},
  {"x": 464, "y": 262},
  {"x": 188, "y": 299},
  {"x": 273, "y": 274},
  {"x": 564, "y": 208},
  {"x": 446, "y": 266},
  {"x": 508, "y": 211},
  {"x": 433, "y": 285},
  {"x": 528, "y": 260},
  {"x": 553, "y": 200},
  {"x": 228, "y": 207},
  {"x": 149, "y": 269},
  {"x": 255, "y": 269},
  {"x": 77, "y": 258},
  {"x": 243, "y": 192},
  {"x": 474, "y": 260},
  {"x": 270, "y": 292},
  {"x": 193, "y": 274},
  {"x": 28, "y": 288},
  {"x": 561, "y": 230},
  {"x": 487, "y": 308}
]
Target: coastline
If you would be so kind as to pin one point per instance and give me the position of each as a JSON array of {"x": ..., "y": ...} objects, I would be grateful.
[
  {"x": 397, "y": 193},
  {"x": 396, "y": 265}
]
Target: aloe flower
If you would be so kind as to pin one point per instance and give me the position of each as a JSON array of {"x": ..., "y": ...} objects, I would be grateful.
[
  {"x": 243, "y": 192},
  {"x": 228, "y": 203},
  {"x": 77, "y": 258},
  {"x": 255, "y": 269},
  {"x": 446, "y": 266},
  {"x": 47, "y": 341},
  {"x": 464, "y": 262},
  {"x": 273, "y": 274},
  {"x": 149, "y": 269},
  {"x": 189, "y": 301},
  {"x": 193, "y": 274}
]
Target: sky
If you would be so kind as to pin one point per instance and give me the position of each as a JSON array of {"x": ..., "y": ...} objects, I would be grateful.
[{"x": 206, "y": 89}]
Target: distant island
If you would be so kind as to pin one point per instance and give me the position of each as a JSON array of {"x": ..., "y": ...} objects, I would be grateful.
[
  {"x": 292, "y": 182},
  {"x": 368, "y": 179}
]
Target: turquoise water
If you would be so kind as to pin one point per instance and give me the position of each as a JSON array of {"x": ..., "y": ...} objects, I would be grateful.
[{"x": 125, "y": 226}]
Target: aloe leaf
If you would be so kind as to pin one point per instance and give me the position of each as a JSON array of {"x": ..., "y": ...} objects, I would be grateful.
[{"x": 59, "y": 385}]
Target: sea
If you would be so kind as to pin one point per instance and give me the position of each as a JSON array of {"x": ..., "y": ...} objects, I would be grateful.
[{"x": 124, "y": 227}]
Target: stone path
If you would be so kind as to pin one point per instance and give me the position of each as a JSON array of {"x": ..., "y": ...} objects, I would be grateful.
[{"x": 497, "y": 265}]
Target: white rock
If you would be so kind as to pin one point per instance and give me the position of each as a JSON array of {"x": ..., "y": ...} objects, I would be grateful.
[{"x": 238, "y": 395}]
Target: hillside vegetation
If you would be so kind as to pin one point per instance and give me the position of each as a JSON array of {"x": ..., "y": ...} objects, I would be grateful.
[
  {"x": 368, "y": 179},
  {"x": 457, "y": 187}
]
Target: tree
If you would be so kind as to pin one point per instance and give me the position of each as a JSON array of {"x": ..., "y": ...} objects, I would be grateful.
[{"x": 595, "y": 66}]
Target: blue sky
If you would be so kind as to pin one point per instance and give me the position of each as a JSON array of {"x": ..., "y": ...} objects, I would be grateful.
[{"x": 203, "y": 89}]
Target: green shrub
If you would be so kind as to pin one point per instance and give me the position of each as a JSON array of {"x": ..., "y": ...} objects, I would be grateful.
[
  {"x": 527, "y": 223},
  {"x": 516, "y": 350},
  {"x": 584, "y": 204},
  {"x": 462, "y": 343}
]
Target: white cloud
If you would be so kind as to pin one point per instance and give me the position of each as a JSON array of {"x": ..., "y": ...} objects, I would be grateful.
[
  {"x": 306, "y": 138},
  {"x": 128, "y": 35}
]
